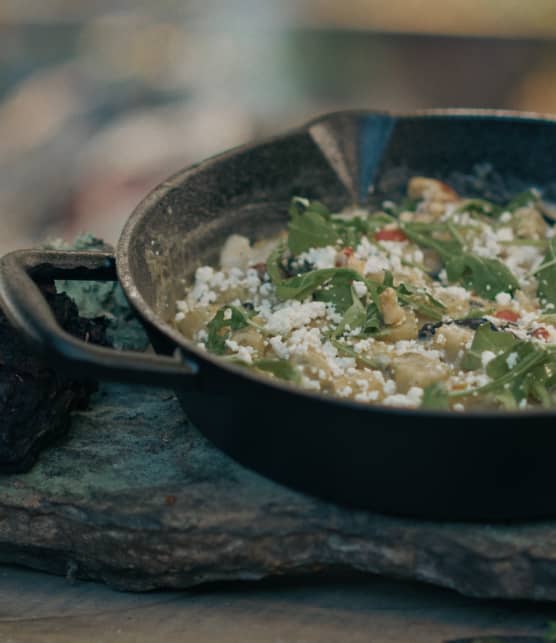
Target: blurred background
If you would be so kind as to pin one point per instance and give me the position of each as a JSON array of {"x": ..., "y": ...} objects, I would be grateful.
[{"x": 101, "y": 100}]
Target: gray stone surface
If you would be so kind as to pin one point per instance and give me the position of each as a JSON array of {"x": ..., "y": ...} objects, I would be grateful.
[{"x": 138, "y": 499}]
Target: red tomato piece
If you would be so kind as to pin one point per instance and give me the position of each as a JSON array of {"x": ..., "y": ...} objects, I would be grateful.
[
  {"x": 348, "y": 251},
  {"x": 541, "y": 333},
  {"x": 507, "y": 314},
  {"x": 390, "y": 235}
]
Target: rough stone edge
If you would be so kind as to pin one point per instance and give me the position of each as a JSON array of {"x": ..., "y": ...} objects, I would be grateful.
[{"x": 140, "y": 553}]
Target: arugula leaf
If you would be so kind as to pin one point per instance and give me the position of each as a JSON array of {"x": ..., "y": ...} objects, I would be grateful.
[
  {"x": 333, "y": 285},
  {"x": 481, "y": 206},
  {"x": 516, "y": 374},
  {"x": 421, "y": 301},
  {"x": 280, "y": 368},
  {"x": 273, "y": 264},
  {"x": 354, "y": 317},
  {"x": 304, "y": 285},
  {"x": 485, "y": 276},
  {"x": 550, "y": 634},
  {"x": 546, "y": 275},
  {"x": 221, "y": 326},
  {"x": 373, "y": 320},
  {"x": 375, "y": 363},
  {"x": 405, "y": 205},
  {"x": 435, "y": 396},
  {"x": 421, "y": 234},
  {"x": 523, "y": 199},
  {"x": 350, "y": 231},
  {"x": 375, "y": 222},
  {"x": 523, "y": 377},
  {"x": 310, "y": 226},
  {"x": 486, "y": 339},
  {"x": 337, "y": 292}
]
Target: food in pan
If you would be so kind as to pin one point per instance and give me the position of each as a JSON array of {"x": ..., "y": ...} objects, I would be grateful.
[{"x": 438, "y": 302}]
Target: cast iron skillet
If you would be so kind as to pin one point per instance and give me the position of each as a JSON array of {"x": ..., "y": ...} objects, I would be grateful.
[{"x": 488, "y": 466}]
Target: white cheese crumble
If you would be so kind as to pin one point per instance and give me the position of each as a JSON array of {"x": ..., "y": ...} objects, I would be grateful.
[
  {"x": 486, "y": 357},
  {"x": 294, "y": 314},
  {"x": 511, "y": 360},
  {"x": 503, "y": 298},
  {"x": 360, "y": 288}
]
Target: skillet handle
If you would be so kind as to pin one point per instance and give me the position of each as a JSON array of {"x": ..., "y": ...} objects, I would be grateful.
[{"x": 28, "y": 311}]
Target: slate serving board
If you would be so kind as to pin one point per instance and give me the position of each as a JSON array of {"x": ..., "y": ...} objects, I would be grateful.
[{"x": 137, "y": 498}]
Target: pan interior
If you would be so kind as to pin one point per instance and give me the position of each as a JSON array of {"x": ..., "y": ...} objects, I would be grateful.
[{"x": 341, "y": 159}]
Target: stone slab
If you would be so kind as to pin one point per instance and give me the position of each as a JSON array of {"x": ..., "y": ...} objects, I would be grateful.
[{"x": 137, "y": 498}]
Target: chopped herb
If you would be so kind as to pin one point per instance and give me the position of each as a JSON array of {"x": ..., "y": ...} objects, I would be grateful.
[
  {"x": 435, "y": 396},
  {"x": 486, "y": 339},
  {"x": 355, "y": 317},
  {"x": 280, "y": 368},
  {"x": 523, "y": 370},
  {"x": 375, "y": 363},
  {"x": 421, "y": 301},
  {"x": 405, "y": 205},
  {"x": 338, "y": 292},
  {"x": 310, "y": 226},
  {"x": 485, "y": 276},
  {"x": 521, "y": 200},
  {"x": 482, "y": 207},
  {"x": 546, "y": 275},
  {"x": 550, "y": 634},
  {"x": 220, "y": 328}
]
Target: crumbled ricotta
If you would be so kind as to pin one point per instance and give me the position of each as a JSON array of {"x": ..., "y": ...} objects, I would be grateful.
[
  {"x": 486, "y": 357},
  {"x": 511, "y": 360},
  {"x": 294, "y": 314},
  {"x": 503, "y": 298}
]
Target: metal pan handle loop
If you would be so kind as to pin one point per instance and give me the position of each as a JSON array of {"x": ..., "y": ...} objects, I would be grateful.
[{"x": 26, "y": 308}]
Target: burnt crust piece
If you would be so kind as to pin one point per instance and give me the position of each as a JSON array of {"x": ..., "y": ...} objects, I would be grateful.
[{"x": 36, "y": 401}]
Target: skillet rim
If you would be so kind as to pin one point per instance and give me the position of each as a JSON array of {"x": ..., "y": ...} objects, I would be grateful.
[{"x": 177, "y": 179}]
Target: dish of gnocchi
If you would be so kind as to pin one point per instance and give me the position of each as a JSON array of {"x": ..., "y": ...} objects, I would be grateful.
[{"x": 437, "y": 301}]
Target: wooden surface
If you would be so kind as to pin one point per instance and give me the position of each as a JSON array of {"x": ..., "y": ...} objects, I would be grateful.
[{"x": 39, "y": 608}]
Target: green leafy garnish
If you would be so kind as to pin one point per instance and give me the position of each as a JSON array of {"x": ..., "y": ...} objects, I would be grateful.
[
  {"x": 521, "y": 200},
  {"x": 221, "y": 326},
  {"x": 482, "y": 207},
  {"x": 524, "y": 370},
  {"x": 550, "y": 634},
  {"x": 313, "y": 226},
  {"x": 435, "y": 396},
  {"x": 338, "y": 292},
  {"x": 520, "y": 370},
  {"x": 405, "y": 205},
  {"x": 375, "y": 363},
  {"x": 354, "y": 317},
  {"x": 303, "y": 286},
  {"x": 421, "y": 301},
  {"x": 517, "y": 371},
  {"x": 333, "y": 285},
  {"x": 310, "y": 226},
  {"x": 338, "y": 280},
  {"x": 486, "y": 339},
  {"x": 280, "y": 368},
  {"x": 485, "y": 276},
  {"x": 546, "y": 275}
]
